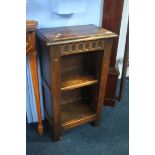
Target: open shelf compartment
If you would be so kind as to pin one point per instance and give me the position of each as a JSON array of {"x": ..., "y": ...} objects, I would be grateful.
[
  {"x": 78, "y": 106},
  {"x": 76, "y": 113},
  {"x": 80, "y": 70}
]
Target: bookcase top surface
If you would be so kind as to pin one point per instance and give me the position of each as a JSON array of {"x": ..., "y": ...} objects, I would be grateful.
[{"x": 68, "y": 34}]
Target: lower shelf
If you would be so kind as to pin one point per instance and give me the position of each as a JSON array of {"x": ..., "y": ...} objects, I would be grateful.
[{"x": 76, "y": 113}]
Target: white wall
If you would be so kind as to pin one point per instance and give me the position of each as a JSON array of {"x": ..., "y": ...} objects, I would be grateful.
[{"x": 122, "y": 38}]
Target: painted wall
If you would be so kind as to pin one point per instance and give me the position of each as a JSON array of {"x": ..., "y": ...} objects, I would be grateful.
[{"x": 40, "y": 10}]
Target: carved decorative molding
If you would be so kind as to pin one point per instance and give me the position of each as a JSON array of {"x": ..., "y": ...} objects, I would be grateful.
[{"x": 71, "y": 48}]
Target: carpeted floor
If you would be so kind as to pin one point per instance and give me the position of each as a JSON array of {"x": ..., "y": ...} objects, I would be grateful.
[{"x": 111, "y": 138}]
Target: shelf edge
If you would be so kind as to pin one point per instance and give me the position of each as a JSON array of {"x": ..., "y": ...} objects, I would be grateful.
[{"x": 74, "y": 123}]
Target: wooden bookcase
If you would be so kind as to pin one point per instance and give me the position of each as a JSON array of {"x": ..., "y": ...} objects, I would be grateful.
[{"x": 74, "y": 65}]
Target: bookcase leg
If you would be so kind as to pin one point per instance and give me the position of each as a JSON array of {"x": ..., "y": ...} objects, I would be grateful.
[
  {"x": 103, "y": 80},
  {"x": 97, "y": 123},
  {"x": 56, "y": 91},
  {"x": 57, "y": 136}
]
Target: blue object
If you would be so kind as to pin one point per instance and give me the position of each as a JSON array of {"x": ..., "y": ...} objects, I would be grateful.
[{"x": 30, "y": 99}]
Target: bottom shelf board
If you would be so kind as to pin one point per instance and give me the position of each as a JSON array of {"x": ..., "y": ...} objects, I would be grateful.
[{"x": 76, "y": 113}]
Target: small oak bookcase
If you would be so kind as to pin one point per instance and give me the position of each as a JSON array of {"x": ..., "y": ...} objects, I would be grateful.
[{"x": 74, "y": 65}]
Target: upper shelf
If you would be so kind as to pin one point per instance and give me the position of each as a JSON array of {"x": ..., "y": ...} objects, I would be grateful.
[
  {"x": 76, "y": 78},
  {"x": 68, "y": 34}
]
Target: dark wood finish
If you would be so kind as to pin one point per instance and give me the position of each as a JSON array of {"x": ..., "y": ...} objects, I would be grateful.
[
  {"x": 76, "y": 78},
  {"x": 74, "y": 74},
  {"x": 125, "y": 65},
  {"x": 56, "y": 89},
  {"x": 110, "y": 97},
  {"x": 103, "y": 78},
  {"x": 32, "y": 55},
  {"x": 76, "y": 113},
  {"x": 72, "y": 34},
  {"x": 112, "y": 15}
]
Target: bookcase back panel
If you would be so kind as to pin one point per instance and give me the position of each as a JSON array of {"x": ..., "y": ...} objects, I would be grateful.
[
  {"x": 89, "y": 62},
  {"x": 87, "y": 94}
]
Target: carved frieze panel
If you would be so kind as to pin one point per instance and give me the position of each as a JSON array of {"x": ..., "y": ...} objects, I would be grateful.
[{"x": 79, "y": 47}]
